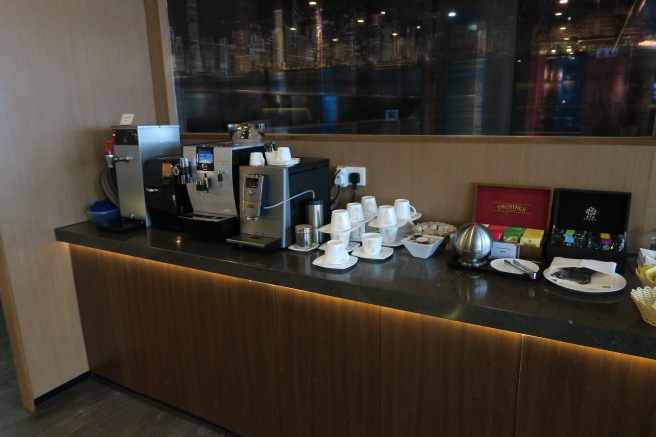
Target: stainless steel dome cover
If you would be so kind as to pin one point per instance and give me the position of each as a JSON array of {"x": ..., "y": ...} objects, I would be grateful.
[{"x": 473, "y": 242}]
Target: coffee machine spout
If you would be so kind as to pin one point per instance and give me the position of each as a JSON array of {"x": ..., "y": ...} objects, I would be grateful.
[{"x": 111, "y": 159}]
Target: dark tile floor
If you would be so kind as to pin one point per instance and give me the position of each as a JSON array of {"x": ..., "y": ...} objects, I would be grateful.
[{"x": 93, "y": 407}]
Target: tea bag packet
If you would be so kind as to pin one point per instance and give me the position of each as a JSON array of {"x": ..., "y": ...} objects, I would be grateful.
[
  {"x": 512, "y": 234},
  {"x": 569, "y": 237},
  {"x": 605, "y": 241},
  {"x": 531, "y": 237},
  {"x": 496, "y": 231}
]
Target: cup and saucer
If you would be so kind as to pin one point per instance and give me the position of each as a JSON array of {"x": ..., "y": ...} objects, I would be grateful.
[
  {"x": 295, "y": 247},
  {"x": 335, "y": 257},
  {"x": 385, "y": 252},
  {"x": 386, "y": 218},
  {"x": 351, "y": 246},
  {"x": 404, "y": 210},
  {"x": 340, "y": 221},
  {"x": 372, "y": 247}
]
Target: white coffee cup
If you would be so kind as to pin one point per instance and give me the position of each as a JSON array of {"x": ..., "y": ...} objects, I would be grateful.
[
  {"x": 372, "y": 243},
  {"x": 284, "y": 154},
  {"x": 256, "y": 159},
  {"x": 356, "y": 213},
  {"x": 270, "y": 156},
  {"x": 344, "y": 237},
  {"x": 340, "y": 221},
  {"x": 336, "y": 252},
  {"x": 403, "y": 209},
  {"x": 389, "y": 234},
  {"x": 386, "y": 216},
  {"x": 369, "y": 205},
  {"x": 357, "y": 232}
]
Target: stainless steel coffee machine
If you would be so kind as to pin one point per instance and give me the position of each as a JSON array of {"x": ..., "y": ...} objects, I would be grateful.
[
  {"x": 273, "y": 201},
  {"x": 212, "y": 183},
  {"x": 131, "y": 147}
]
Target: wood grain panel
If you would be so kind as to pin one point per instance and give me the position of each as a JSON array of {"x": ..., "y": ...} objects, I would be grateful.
[
  {"x": 198, "y": 341},
  {"x": 62, "y": 88},
  {"x": 329, "y": 365},
  {"x": 568, "y": 390},
  {"x": 438, "y": 177},
  {"x": 444, "y": 378}
]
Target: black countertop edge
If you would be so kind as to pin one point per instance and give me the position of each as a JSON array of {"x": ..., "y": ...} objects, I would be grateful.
[{"x": 428, "y": 287}]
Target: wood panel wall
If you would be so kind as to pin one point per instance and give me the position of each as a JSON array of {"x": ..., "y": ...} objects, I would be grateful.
[
  {"x": 438, "y": 174},
  {"x": 69, "y": 70}
]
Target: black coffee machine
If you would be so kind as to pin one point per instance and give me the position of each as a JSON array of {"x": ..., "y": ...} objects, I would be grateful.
[{"x": 166, "y": 198}]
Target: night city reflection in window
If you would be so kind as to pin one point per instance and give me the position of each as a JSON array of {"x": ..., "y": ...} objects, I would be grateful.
[{"x": 466, "y": 67}]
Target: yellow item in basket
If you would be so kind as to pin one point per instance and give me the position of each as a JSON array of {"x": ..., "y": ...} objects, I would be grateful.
[
  {"x": 531, "y": 237},
  {"x": 651, "y": 273},
  {"x": 647, "y": 279}
]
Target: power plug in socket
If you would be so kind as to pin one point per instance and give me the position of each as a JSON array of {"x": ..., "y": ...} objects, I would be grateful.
[
  {"x": 346, "y": 171},
  {"x": 341, "y": 178}
]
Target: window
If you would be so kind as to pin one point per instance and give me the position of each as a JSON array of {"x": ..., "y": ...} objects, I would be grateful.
[{"x": 468, "y": 67}]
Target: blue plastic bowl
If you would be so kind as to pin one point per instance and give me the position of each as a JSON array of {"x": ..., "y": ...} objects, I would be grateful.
[{"x": 102, "y": 216}]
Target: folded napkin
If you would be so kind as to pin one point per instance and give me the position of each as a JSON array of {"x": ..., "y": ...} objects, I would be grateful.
[
  {"x": 646, "y": 257},
  {"x": 602, "y": 277}
]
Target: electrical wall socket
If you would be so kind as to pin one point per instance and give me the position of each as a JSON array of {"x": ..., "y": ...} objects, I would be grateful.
[{"x": 344, "y": 172}]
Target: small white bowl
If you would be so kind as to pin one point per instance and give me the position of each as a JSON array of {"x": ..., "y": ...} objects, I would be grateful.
[{"x": 426, "y": 246}]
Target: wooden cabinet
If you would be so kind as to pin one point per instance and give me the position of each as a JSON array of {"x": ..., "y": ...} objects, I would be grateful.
[
  {"x": 329, "y": 365},
  {"x": 263, "y": 360},
  {"x": 568, "y": 390},
  {"x": 444, "y": 378},
  {"x": 198, "y": 341}
]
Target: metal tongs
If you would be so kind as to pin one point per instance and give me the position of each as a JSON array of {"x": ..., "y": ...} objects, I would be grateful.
[{"x": 522, "y": 268}]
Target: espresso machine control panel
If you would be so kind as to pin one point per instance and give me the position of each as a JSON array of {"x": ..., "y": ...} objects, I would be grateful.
[{"x": 252, "y": 196}]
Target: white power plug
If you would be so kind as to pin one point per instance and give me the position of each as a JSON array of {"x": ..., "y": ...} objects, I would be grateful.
[{"x": 341, "y": 177}]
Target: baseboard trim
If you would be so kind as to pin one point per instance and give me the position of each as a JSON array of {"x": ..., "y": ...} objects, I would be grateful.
[{"x": 54, "y": 392}]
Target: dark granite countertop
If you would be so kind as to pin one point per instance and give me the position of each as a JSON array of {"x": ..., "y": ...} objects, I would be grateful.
[{"x": 425, "y": 286}]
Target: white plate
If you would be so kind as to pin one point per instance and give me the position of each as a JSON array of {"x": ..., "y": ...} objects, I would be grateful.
[
  {"x": 291, "y": 161},
  {"x": 500, "y": 265},
  {"x": 399, "y": 223},
  {"x": 285, "y": 164},
  {"x": 618, "y": 283},
  {"x": 328, "y": 229},
  {"x": 413, "y": 217},
  {"x": 385, "y": 252},
  {"x": 303, "y": 249},
  {"x": 321, "y": 262},
  {"x": 351, "y": 246}
]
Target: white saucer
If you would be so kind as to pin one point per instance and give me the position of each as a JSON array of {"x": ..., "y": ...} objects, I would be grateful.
[
  {"x": 500, "y": 265},
  {"x": 397, "y": 243},
  {"x": 291, "y": 161},
  {"x": 321, "y": 262},
  {"x": 327, "y": 229},
  {"x": 399, "y": 223},
  {"x": 413, "y": 217},
  {"x": 385, "y": 252},
  {"x": 351, "y": 246},
  {"x": 285, "y": 164},
  {"x": 618, "y": 283},
  {"x": 370, "y": 217},
  {"x": 303, "y": 249}
]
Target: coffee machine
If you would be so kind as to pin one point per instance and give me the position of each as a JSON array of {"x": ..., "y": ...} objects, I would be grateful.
[
  {"x": 213, "y": 186},
  {"x": 130, "y": 148},
  {"x": 166, "y": 198},
  {"x": 273, "y": 201}
]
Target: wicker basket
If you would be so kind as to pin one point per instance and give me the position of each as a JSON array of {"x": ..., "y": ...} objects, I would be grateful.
[
  {"x": 644, "y": 298},
  {"x": 646, "y": 282}
]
